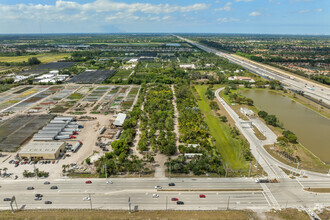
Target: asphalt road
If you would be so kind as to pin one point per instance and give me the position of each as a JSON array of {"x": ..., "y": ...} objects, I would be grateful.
[
  {"x": 70, "y": 194},
  {"x": 312, "y": 89}
]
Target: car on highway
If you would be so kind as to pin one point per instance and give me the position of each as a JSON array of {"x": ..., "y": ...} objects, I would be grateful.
[
  {"x": 48, "y": 202},
  {"x": 158, "y": 187},
  {"x": 7, "y": 199},
  {"x": 174, "y": 199},
  {"x": 30, "y": 188},
  {"x": 171, "y": 184},
  {"x": 180, "y": 202},
  {"x": 86, "y": 198},
  {"x": 38, "y": 195},
  {"x": 53, "y": 187},
  {"x": 202, "y": 196},
  {"x": 155, "y": 195},
  {"x": 109, "y": 182},
  {"x": 38, "y": 198},
  {"x": 88, "y": 182},
  {"x": 47, "y": 183}
]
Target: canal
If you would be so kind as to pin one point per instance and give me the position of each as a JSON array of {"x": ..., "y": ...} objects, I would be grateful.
[{"x": 311, "y": 128}]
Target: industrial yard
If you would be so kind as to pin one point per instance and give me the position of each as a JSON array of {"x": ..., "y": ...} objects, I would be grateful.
[{"x": 60, "y": 125}]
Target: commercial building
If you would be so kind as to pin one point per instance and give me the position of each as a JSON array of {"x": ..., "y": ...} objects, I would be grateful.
[
  {"x": 120, "y": 120},
  {"x": 42, "y": 150},
  {"x": 241, "y": 78}
]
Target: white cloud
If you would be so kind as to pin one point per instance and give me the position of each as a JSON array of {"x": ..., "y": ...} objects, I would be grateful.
[
  {"x": 102, "y": 9},
  {"x": 309, "y": 10},
  {"x": 226, "y": 7},
  {"x": 255, "y": 13},
  {"x": 243, "y": 0},
  {"x": 225, "y": 20}
]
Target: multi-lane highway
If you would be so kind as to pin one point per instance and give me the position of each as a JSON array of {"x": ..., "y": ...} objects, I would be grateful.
[
  {"x": 310, "y": 88},
  {"x": 70, "y": 194}
]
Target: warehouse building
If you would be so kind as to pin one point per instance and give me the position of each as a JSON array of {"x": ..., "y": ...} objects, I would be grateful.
[
  {"x": 120, "y": 120},
  {"x": 42, "y": 150}
]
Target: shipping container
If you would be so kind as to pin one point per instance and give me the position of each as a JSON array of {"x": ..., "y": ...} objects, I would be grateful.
[
  {"x": 66, "y": 133},
  {"x": 43, "y": 139}
]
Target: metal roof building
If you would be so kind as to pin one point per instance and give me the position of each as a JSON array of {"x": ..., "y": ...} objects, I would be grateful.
[
  {"x": 42, "y": 150},
  {"x": 120, "y": 119}
]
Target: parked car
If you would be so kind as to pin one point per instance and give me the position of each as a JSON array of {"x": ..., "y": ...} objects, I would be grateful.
[
  {"x": 48, "y": 202},
  {"x": 158, "y": 187},
  {"x": 7, "y": 199},
  {"x": 38, "y": 195},
  {"x": 86, "y": 198},
  {"x": 109, "y": 182},
  {"x": 38, "y": 198},
  {"x": 53, "y": 187},
  {"x": 155, "y": 195},
  {"x": 174, "y": 199},
  {"x": 46, "y": 183},
  {"x": 179, "y": 202},
  {"x": 202, "y": 196},
  {"x": 171, "y": 184},
  {"x": 30, "y": 188},
  {"x": 88, "y": 182}
]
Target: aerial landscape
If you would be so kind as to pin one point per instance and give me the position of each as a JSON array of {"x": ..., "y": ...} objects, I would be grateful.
[{"x": 164, "y": 109}]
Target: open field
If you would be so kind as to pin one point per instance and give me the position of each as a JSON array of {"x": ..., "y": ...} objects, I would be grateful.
[
  {"x": 44, "y": 58},
  {"x": 228, "y": 146},
  {"x": 308, "y": 160}
]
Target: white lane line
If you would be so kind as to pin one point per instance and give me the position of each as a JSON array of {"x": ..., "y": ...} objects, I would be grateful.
[
  {"x": 300, "y": 183},
  {"x": 266, "y": 199}
]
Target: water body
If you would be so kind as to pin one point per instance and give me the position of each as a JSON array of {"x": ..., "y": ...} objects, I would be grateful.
[{"x": 311, "y": 128}]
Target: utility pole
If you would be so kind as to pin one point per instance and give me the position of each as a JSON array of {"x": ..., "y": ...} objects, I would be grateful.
[
  {"x": 228, "y": 203},
  {"x": 170, "y": 170},
  {"x": 129, "y": 205},
  {"x": 105, "y": 171},
  {"x": 90, "y": 200},
  {"x": 166, "y": 203}
]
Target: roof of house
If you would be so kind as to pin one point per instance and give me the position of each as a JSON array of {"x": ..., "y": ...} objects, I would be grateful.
[{"x": 120, "y": 119}]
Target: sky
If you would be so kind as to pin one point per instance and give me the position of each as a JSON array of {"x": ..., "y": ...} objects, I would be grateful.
[{"x": 171, "y": 16}]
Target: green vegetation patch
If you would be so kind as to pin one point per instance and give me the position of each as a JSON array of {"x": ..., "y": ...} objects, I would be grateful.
[{"x": 229, "y": 147}]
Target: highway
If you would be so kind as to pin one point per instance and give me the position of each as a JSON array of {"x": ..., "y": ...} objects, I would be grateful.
[
  {"x": 310, "y": 88},
  {"x": 255, "y": 196}
]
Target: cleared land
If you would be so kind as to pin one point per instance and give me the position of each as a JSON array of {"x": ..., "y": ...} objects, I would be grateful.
[
  {"x": 44, "y": 58},
  {"x": 228, "y": 146}
]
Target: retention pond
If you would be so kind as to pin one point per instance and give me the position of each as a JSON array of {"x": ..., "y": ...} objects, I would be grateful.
[{"x": 311, "y": 128}]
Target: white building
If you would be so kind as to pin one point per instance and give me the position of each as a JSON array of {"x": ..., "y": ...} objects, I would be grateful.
[
  {"x": 188, "y": 66},
  {"x": 120, "y": 120},
  {"x": 247, "y": 112},
  {"x": 241, "y": 78}
]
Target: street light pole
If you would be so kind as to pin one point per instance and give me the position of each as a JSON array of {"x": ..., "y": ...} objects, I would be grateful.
[
  {"x": 228, "y": 203},
  {"x": 90, "y": 200}
]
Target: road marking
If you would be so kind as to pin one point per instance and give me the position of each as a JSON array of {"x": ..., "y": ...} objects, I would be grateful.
[
  {"x": 269, "y": 194},
  {"x": 266, "y": 199},
  {"x": 300, "y": 183}
]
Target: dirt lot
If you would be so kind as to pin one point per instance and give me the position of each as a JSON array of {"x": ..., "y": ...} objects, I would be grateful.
[{"x": 287, "y": 214}]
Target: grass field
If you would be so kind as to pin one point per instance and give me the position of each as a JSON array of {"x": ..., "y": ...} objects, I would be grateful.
[
  {"x": 284, "y": 214},
  {"x": 44, "y": 58},
  {"x": 228, "y": 146}
]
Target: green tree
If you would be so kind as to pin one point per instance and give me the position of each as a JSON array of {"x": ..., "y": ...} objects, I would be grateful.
[{"x": 33, "y": 61}]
